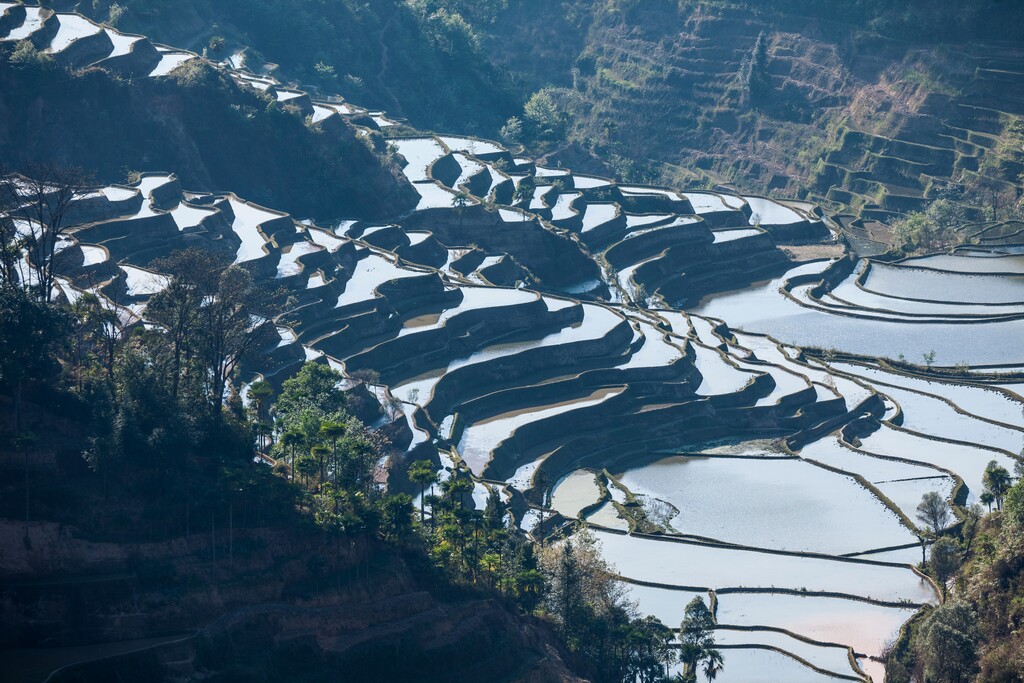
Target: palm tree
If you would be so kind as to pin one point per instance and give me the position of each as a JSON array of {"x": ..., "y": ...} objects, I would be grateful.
[
  {"x": 458, "y": 486},
  {"x": 332, "y": 431},
  {"x": 713, "y": 664},
  {"x": 306, "y": 466},
  {"x": 290, "y": 440},
  {"x": 259, "y": 393},
  {"x": 987, "y": 498},
  {"x": 422, "y": 472},
  {"x": 320, "y": 453}
]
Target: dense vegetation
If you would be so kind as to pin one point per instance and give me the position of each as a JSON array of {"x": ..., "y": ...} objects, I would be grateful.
[
  {"x": 198, "y": 123},
  {"x": 167, "y": 444},
  {"x": 422, "y": 58},
  {"x": 975, "y": 634}
]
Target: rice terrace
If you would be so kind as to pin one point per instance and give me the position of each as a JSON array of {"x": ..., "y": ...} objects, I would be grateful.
[{"x": 449, "y": 340}]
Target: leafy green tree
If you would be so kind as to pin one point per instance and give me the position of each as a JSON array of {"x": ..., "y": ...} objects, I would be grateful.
[
  {"x": 512, "y": 131},
  {"x": 396, "y": 516},
  {"x": 544, "y": 114},
  {"x": 524, "y": 192},
  {"x": 25, "y": 57},
  {"x": 456, "y": 488},
  {"x": 320, "y": 453},
  {"x": 494, "y": 510},
  {"x": 946, "y": 643},
  {"x": 460, "y": 200},
  {"x": 696, "y": 636},
  {"x": 259, "y": 394},
  {"x": 987, "y": 498},
  {"x": 945, "y": 560},
  {"x": 30, "y": 331},
  {"x": 997, "y": 481},
  {"x": 1014, "y": 505},
  {"x": 307, "y": 466},
  {"x": 314, "y": 385},
  {"x": 325, "y": 71}
]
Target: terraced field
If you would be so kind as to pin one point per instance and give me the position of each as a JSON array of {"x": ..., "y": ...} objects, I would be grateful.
[{"x": 575, "y": 340}]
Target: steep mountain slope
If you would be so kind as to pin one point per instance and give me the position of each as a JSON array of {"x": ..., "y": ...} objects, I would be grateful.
[
  {"x": 389, "y": 54},
  {"x": 878, "y": 122},
  {"x": 131, "y": 110},
  {"x": 876, "y": 110}
]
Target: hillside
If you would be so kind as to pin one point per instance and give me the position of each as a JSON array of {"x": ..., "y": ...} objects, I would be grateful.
[
  {"x": 296, "y": 388},
  {"x": 109, "y": 115},
  {"x": 875, "y": 111},
  {"x": 874, "y": 117}
]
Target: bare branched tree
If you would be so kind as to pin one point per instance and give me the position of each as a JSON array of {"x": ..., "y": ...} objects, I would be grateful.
[{"x": 34, "y": 206}]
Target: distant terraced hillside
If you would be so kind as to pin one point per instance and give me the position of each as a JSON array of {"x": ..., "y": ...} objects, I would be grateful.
[
  {"x": 873, "y": 111},
  {"x": 76, "y": 92},
  {"x": 870, "y": 123}
]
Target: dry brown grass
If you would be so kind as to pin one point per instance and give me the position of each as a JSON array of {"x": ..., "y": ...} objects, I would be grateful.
[{"x": 810, "y": 252}]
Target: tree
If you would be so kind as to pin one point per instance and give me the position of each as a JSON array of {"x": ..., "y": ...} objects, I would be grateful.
[
  {"x": 530, "y": 587},
  {"x": 997, "y": 481},
  {"x": 422, "y": 472},
  {"x": 544, "y": 114},
  {"x": 933, "y": 512},
  {"x": 460, "y": 200},
  {"x": 648, "y": 649},
  {"x": 713, "y": 664},
  {"x": 193, "y": 280},
  {"x": 754, "y": 75},
  {"x": 524, "y": 191},
  {"x": 29, "y": 332},
  {"x": 39, "y": 205},
  {"x": 214, "y": 313},
  {"x": 332, "y": 431},
  {"x": 1014, "y": 504},
  {"x": 494, "y": 510},
  {"x": 987, "y": 498},
  {"x": 289, "y": 440},
  {"x": 232, "y": 321},
  {"x": 696, "y": 637},
  {"x": 945, "y": 560},
  {"x": 929, "y": 359},
  {"x": 314, "y": 385},
  {"x": 260, "y": 393},
  {"x": 946, "y": 643},
  {"x": 307, "y": 467},
  {"x": 325, "y": 71},
  {"x": 457, "y": 486},
  {"x": 320, "y": 452},
  {"x": 396, "y": 516},
  {"x": 512, "y": 131}
]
